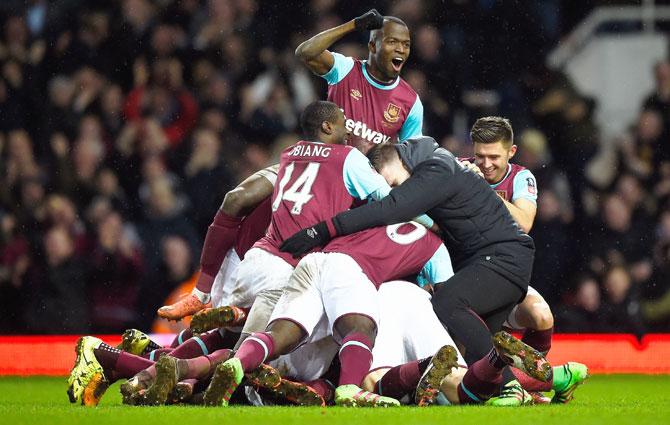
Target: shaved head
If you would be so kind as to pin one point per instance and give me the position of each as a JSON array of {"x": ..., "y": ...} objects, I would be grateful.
[{"x": 375, "y": 34}]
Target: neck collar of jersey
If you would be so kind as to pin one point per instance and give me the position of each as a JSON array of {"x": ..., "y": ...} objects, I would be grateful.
[
  {"x": 376, "y": 83},
  {"x": 509, "y": 170}
]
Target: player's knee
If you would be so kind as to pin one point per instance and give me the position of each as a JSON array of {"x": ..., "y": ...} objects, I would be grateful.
[
  {"x": 356, "y": 323},
  {"x": 539, "y": 316}
]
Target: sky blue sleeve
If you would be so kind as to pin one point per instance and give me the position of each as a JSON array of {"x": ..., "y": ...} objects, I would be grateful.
[
  {"x": 342, "y": 66},
  {"x": 361, "y": 180},
  {"x": 525, "y": 186},
  {"x": 414, "y": 123},
  {"x": 438, "y": 269}
]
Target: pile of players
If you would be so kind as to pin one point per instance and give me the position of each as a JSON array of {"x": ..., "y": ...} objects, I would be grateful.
[{"x": 340, "y": 278}]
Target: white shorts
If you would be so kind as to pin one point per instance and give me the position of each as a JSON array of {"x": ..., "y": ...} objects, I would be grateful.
[
  {"x": 259, "y": 315},
  {"x": 259, "y": 271},
  {"x": 330, "y": 284},
  {"x": 310, "y": 361},
  {"x": 511, "y": 321},
  {"x": 224, "y": 282},
  {"x": 408, "y": 327}
]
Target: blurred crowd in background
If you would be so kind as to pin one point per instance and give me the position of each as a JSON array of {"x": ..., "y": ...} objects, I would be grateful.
[{"x": 124, "y": 122}]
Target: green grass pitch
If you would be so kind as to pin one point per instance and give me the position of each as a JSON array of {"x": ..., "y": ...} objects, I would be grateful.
[{"x": 611, "y": 400}]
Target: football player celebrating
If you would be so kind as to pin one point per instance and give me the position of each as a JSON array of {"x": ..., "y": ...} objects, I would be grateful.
[{"x": 379, "y": 105}]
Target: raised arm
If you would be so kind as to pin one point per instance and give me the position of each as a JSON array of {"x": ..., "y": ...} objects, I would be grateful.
[{"x": 314, "y": 52}]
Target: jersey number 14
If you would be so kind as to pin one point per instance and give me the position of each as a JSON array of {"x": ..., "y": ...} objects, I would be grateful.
[{"x": 300, "y": 191}]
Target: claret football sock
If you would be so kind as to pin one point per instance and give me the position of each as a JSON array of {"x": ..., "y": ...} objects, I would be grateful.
[
  {"x": 355, "y": 358},
  {"x": 118, "y": 364},
  {"x": 198, "y": 346},
  {"x": 127, "y": 365},
  {"x": 254, "y": 350},
  {"x": 220, "y": 238},
  {"x": 323, "y": 387},
  {"x": 532, "y": 384},
  {"x": 107, "y": 357},
  {"x": 539, "y": 340},
  {"x": 154, "y": 355},
  {"x": 401, "y": 380},
  {"x": 202, "y": 366},
  {"x": 181, "y": 338},
  {"x": 482, "y": 379}
]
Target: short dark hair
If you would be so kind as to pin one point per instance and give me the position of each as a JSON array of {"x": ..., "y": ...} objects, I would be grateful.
[
  {"x": 374, "y": 33},
  {"x": 314, "y": 115},
  {"x": 492, "y": 130},
  {"x": 382, "y": 154}
]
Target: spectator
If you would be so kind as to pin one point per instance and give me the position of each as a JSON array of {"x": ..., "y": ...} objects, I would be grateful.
[
  {"x": 164, "y": 217},
  {"x": 656, "y": 306},
  {"x": 581, "y": 311},
  {"x": 141, "y": 113},
  {"x": 176, "y": 275},
  {"x": 615, "y": 241},
  {"x": 659, "y": 99},
  {"x": 207, "y": 178},
  {"x": 56, "y": 299},
  {"x": 551, "y": 234},
  {"x": 621, "y": 308},
  {"x": 14, "y": 263},
  {"x": 164, "y": 112},
  {"x": 114, "y": 281}
]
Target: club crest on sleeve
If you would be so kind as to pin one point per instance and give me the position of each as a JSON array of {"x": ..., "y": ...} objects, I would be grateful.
[
  {"x": 531, "y": 186},
  {"x": 392, "y": 113}
]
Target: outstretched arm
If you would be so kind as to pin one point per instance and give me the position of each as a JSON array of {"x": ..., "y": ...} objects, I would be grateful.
[
  {"x": 424, "y": 190},
  {"x": 417, "y": 195}
]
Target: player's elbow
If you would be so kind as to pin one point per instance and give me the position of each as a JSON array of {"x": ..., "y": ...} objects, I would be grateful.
[
  {"x": 235, "y": 201},
  {"x": 301, "y": 52},
  {"x": 526, "y": 225}
]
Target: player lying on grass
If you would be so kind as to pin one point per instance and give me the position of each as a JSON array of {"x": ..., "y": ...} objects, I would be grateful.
[
  {"x": 341, "y": 287},
  {"x": 261, "y": 269},
  {"x": 403, "y": 365},
  {"x": 442, "y": 380}
]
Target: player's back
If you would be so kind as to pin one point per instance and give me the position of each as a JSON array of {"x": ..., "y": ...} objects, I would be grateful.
[
  {"x": 310, "y": 189},
  {"x": 394, "y": 252}
]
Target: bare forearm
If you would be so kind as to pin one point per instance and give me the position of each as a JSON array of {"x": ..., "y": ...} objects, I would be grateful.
[
  {"x": 247, "y": 195},
  {"x": 523, "y": 219},
  {"x": 316, "y": 45}
]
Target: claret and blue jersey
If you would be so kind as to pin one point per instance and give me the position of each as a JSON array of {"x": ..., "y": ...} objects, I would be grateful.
[{"x": 375, "y": 112}]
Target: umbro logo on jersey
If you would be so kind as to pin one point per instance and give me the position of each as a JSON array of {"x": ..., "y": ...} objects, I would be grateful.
[
  {"x": 355, "y": 94},
  {"x": 311, "y": 233},
  {"x": 360, "y": 129}
]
